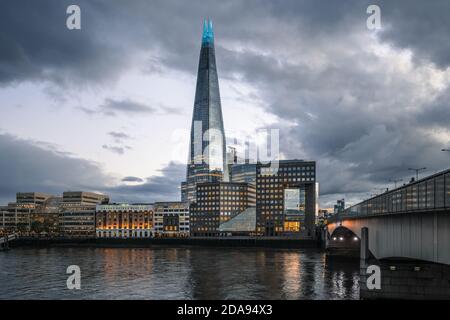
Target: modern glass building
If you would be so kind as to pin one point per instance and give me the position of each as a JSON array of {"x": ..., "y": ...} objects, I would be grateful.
[
  {"x": 286, "y": 199},
  {"x": 242, "y": 224},
  {"x": 207, "y": 155}
]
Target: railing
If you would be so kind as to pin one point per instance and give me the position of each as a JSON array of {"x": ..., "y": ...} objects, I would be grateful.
[
  {"x": 8, "y": 238},
  {"x": 428, "y": 194}
]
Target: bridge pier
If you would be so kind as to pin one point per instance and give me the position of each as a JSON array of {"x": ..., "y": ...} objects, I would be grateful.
[
  {"x": 414, "y": 280},
  {"x": 402, "y": 279}
]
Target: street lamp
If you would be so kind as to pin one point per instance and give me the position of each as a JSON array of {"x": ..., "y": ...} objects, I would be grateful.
[
  {"x": 377, "y": 191},
  {"x": 395, "y": 181},
  {"x": 417, "y": 170}
]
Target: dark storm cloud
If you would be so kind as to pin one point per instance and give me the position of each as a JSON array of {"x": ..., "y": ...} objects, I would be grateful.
[
  {"x": 36, "y": 45},
  {"x": 361, "y": 116},
  {"x": 422, "y": 26},
  {"x": 28, "y": 166}
]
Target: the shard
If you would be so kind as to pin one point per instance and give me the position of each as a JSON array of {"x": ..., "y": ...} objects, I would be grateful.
[{"x": 207, "y": 156}]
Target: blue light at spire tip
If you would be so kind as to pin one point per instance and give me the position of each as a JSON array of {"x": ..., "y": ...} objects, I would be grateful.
[{"x": 208, "y": 32}]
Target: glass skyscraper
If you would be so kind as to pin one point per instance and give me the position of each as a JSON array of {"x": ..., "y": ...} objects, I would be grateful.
[{"x": 207, "y": 156}]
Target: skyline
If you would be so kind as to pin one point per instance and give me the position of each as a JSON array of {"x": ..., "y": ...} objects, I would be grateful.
[{"x": 361, "y": 105}]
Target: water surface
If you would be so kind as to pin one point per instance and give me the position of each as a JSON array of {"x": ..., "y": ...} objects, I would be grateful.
[{"x": 163, "y": 272}]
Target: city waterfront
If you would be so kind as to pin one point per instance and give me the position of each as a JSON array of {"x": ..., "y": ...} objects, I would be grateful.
[{"x": 182, "y": 272}]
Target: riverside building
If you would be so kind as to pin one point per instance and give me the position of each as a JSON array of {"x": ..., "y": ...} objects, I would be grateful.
[
  {"x": 18, "y": 216},
  {"x": 124, "y": 220},
  {"x": 286, "y": 199},
  {"x": 218, "y": 203},
  {"x": 77, "y": 217},
  {"x": 171, "y": 219}
]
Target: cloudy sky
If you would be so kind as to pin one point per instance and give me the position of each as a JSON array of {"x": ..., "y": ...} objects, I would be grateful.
[{"x": 108, "y": 107}]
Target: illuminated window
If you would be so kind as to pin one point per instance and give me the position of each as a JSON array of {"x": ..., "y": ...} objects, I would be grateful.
[{"x": 292, "y": 226}]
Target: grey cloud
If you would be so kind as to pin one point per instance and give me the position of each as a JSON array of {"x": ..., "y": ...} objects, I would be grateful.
[
  {"x": 36, "y": 45},
  {"x": 119, "y": 135},
  {"x": 120, "y": 150},
  {"x": 42, "y": 47},
  {"x": 132, "y": 179},
  {"x": 112, "y": 107},
  {"x": 307, "y": 60},
  {"x": 27, "y": 166},
  {"x": 422, "y": 26},
  {"x": 162, "y": 187}
]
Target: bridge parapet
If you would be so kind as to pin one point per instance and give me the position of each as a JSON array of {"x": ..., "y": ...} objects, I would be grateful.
[{"x": 428, "y": 195}]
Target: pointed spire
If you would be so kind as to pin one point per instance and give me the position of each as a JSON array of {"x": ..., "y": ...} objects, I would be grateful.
[{"x": 208, "y": 33}]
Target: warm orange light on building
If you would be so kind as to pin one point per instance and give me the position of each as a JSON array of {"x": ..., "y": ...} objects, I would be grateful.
[{"x": 291, "y": 226}]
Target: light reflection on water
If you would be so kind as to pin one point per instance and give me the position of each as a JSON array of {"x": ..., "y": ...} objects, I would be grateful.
[{"x": 164, "y": 272}]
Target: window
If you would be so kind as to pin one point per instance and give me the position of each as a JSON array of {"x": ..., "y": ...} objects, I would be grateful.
[
  {"x": 422, "y": 195},
  {"x": 440, "y": 192},
  {"x": 430, "y": 193}
]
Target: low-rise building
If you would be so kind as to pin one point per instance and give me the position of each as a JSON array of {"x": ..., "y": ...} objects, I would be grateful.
[
  {"x": 16, "y": 217},
  {"x": 37, "y": 198},
  {"x": 218, "y": 202},
  {"x": 45, "y": 218},
  {"x": 77, "y": 217},
  {"x": 19, "y": 215},
  {"x": 124, "y": 220},
  {"x": 171, "y": 219}
]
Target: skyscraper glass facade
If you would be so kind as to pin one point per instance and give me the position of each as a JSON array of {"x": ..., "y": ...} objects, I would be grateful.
[{"x": 207, "y": 139}]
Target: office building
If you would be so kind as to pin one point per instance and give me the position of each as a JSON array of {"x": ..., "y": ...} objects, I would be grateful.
[
  {"x": 244, "y": 172},
  {"x": 77, "y": 217},
  {"x": 45, "y": 218},
  {"x": 37, "y": 198},
  {"x": 286, "y": 199},
  {"x": 16, "y": 217},
  {"x": 171, "y": 219},
  {"x": 217, "y": 203},
  {"x": 84, "y": 198},
  {"x": 19, "y": 215}
]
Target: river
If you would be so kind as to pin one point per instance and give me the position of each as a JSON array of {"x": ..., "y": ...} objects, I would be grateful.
[{"x": 163, "y": 272}]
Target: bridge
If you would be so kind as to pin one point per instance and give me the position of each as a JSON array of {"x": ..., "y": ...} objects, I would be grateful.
[{"x": 410, "y": 223}]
